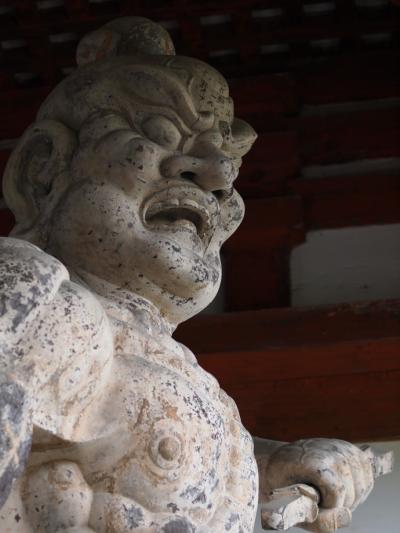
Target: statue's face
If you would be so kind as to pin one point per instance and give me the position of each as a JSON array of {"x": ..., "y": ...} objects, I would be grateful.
[{"x": 149, "y": 207}]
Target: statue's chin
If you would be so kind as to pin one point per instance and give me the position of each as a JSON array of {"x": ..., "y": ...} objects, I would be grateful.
[
  {"x": 185, "y": 289},
  {"x": 191, "y": 299},
  {"x": 175, "y": 267}
]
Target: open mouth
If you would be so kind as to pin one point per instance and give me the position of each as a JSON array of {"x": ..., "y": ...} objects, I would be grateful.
[
  {"x": 185, "y": 213},
  {"x": 180, "y": 208}
]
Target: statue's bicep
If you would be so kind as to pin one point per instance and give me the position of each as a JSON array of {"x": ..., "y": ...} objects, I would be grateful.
[{"x": 29, "y": 281}]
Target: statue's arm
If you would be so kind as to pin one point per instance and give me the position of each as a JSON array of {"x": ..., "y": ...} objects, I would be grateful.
[
  {"x": 56, "y": 349},
  {"x": 29, "y": 280}
]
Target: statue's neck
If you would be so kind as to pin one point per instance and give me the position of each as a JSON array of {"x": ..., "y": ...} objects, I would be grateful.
[{"x": 129, "y": 306}]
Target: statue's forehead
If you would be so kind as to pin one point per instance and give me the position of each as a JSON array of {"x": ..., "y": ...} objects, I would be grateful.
[
  {"x": 208, "y": 89},
  {"x": 173, "y": 86},
  {"x": 183, "y": 85},
  {"x": 176, "y": 82}
]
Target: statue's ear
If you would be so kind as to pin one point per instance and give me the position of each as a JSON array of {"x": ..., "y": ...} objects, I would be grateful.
[{"x": 36, "y": 173}]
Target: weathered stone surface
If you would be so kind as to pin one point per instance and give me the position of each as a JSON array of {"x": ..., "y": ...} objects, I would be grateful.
[{"x": 125, "y": 185}]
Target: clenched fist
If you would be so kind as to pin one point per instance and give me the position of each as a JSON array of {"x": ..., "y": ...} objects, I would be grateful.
[{"x": 342, "y": 473}]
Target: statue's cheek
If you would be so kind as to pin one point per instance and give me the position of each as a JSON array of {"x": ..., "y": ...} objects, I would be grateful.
[{"x": 116, "y": 151}]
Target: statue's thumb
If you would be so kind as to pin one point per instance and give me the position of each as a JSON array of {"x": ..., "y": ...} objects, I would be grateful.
[{"x": 329, "y": 520}]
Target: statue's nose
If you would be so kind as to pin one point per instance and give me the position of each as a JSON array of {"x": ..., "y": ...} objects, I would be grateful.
[{"x": 208, "y": 167}]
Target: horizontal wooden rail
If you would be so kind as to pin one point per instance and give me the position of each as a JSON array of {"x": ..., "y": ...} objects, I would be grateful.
[
  {"x": 344, "y": 201},
  {"x": 331, "y": 371}
]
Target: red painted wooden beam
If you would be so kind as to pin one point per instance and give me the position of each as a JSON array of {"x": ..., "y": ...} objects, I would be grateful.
[
  {"x": 328, "y": 202},
  {"x": 7, "y": 222},
  {"x": 353, "y": 76},
  {"x": 4, "y": 155},
  {"x": 269, "y": 223},
  {"x": 329, "y": 136},
  {"x": 335, "y": 202},
  {"x": 257, "y": 278},
  {"x": 273, "y": 160},
  {"x": 310, "y": 29},
  {"x": 332, "y": 371},
  {"x": 18, "y": 109},
  {"x": 349, "y": 136},
  {"x": 273, "y": 328},
  {"x": 264, "y": 94},
  {"x": 258, "y": 253}
]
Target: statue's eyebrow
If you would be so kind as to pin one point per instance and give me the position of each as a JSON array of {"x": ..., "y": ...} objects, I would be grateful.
[
  {"x": 241, "y": 138},
  {"x": 129, "y": 112},
  {"x": 204, "y": 121}
]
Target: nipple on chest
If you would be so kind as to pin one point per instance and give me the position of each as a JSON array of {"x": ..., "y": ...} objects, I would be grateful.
[
  {"x": 167, "y": 451},
  {"x": 169, "y": 448}
]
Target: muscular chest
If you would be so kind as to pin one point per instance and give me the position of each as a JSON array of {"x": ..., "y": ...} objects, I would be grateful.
[
  {"x": 176, "y": 442},
  {"x": 163, "y": 435}
]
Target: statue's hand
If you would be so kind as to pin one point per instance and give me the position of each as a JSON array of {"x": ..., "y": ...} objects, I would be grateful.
[
  {"x": 57, "y": 498},
  {"x": 342, "y": 473}
]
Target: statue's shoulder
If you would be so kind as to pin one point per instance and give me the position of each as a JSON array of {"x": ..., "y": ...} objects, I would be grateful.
[{"x": 29, "y": 279}]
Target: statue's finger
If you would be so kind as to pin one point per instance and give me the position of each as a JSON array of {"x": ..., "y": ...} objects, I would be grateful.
[
  {"x": 381, "y": 463},
  {"x": 363, "y": 482},
  {"x": 329, "y": 520}
]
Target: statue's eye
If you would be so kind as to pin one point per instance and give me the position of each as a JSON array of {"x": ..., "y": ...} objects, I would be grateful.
[
  {"x": 162, "y": 131},
  {"x": 101, "y": 125},
  {"x": 212, "y": 136}
]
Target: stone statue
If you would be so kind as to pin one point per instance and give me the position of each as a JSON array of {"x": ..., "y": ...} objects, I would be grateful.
[{"x": 123, "y": 195}]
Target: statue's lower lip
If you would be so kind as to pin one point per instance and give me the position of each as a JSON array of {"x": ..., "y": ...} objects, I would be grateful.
[
  {"x": 184, "y": 233},
  {"x": 196, "y": 220}
]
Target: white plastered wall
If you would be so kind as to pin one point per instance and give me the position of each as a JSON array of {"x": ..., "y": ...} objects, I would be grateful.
[{"x": 347, "y": 265}]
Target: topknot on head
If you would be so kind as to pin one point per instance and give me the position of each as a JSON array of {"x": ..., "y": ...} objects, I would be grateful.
[{"x": 125, "y": 36}]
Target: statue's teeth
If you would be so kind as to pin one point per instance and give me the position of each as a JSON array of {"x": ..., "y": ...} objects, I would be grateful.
[
  {"x": 186, "y": 202},
  {"x": 155, "y": 208},
  {"x": 188, "y": 212}
]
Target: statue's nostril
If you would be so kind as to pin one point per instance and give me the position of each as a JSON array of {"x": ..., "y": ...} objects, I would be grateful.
[
  {"x": 187, "y": 175},
  {"x": 223, "y": 194},
  {"x": 220, "y": 194}
]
